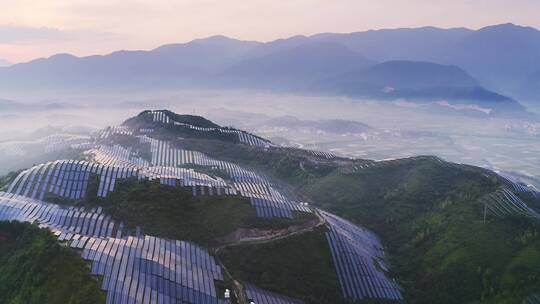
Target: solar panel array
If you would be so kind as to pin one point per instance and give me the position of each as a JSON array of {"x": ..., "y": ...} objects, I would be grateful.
[
  {"x": 320, "y": 154},
  {"x": 70, "y": 179},
  {"x": 267, "y": 200},
  {"x": 140, "y": 268},
  {"x": 107, "y": 132},
  {"x": 243, "y": 136},
  {"x": 261, "y": 296},
  {"x": 117, "y": 155},
  {"x": 504, "y": 202},
  {"x": 67, "y": 178},
  {"x": 519, "y": 187},
  {"x": 354, "y": 252},
  {"x": 135, "y": 268}
]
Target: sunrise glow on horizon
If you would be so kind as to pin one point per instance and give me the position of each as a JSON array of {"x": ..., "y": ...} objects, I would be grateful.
[{"x": 33, "y": 29}]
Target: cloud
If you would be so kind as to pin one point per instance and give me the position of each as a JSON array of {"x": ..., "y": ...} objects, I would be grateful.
[{"x": 13, "y": 34}]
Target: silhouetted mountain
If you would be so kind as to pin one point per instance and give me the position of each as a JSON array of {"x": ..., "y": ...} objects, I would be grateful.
[
  {"x": 121, "y": 68},
  {"x": 499, "y": 56},
  {"x": 170, "y": 65},
  {"x": 422, "y": 81},
  {"x": 411, "y": 74},
  {"x": 421, "y": 44},
  {"x": 531, "y": 86},
  {"x": 211, "y": 54},
  {"x": 278, "y": 45},
  {"x": 294, "y": 68}
]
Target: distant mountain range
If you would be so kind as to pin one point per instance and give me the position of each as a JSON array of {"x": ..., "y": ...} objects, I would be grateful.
[
  {"x": 422, "y": 82},
  {"x": 456, "y": 66},
  {"x": 293, "y": 68}
]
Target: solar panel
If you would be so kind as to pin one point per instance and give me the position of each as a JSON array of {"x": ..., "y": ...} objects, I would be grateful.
[{"x": 353, "y": 251}]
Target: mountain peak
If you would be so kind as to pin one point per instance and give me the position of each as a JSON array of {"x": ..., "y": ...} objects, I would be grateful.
[
  {"x": 507, "y": 27},
  {"x": 222, "y": 39}
]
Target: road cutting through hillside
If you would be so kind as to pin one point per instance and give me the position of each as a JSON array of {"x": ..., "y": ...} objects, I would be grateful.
[{"x": 237, "y": 286}]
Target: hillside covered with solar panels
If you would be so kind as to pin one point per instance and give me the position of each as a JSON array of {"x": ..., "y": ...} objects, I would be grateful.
[{"x": 172, "y": 208}]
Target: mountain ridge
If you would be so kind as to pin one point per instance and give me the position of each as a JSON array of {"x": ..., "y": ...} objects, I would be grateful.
[{"x": 505, "y": 67}]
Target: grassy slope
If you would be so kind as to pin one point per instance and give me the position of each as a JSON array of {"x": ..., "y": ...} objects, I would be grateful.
[
  {"x": 34, "y": 268},
  {"x": 300, "y": 267},
  {"x": 428, "y": 216}
]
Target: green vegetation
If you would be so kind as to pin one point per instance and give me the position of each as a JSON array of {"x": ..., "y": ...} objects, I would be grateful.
[
  {"x": 429, "y": 217},
  {"x": 426, "y": 212},
  {"x": 173, "y": 212},
  {"x": 300, "y": 266},
  {"x": 288, "y": 167},
  {"x": 34, "y": 268},
  {"x": 278, "y": 223}
]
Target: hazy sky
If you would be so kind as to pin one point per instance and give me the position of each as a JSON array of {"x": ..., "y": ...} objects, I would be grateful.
[{"x": 39, "y": 28}]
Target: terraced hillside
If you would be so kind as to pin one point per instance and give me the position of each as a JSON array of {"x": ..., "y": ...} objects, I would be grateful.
[{"x": 172, "y": 208}]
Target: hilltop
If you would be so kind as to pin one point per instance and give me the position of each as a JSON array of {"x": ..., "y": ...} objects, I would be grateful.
[{"x": 189, "y": 208}]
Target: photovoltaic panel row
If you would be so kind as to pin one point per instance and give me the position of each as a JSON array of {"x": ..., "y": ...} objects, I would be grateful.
[
  {"x": 354, "y": 250},
  {"x": 504, "y": 202},
  {"x": 244, "y": 137},
  {"x": 149, "y": 269},
  {"x": 165, "y": 158},
  {"x": 519, "y": 187},
  {"x": 70, "y": 179},
  {"x": 69, "y": 219},
  {"x": 320, "y": 154},
  {"x": 109, "y": 131},
  {"x": 67, "y": 178},
  {"x": 248, "y": 183},
  {"x": 261, "y": 296}
]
